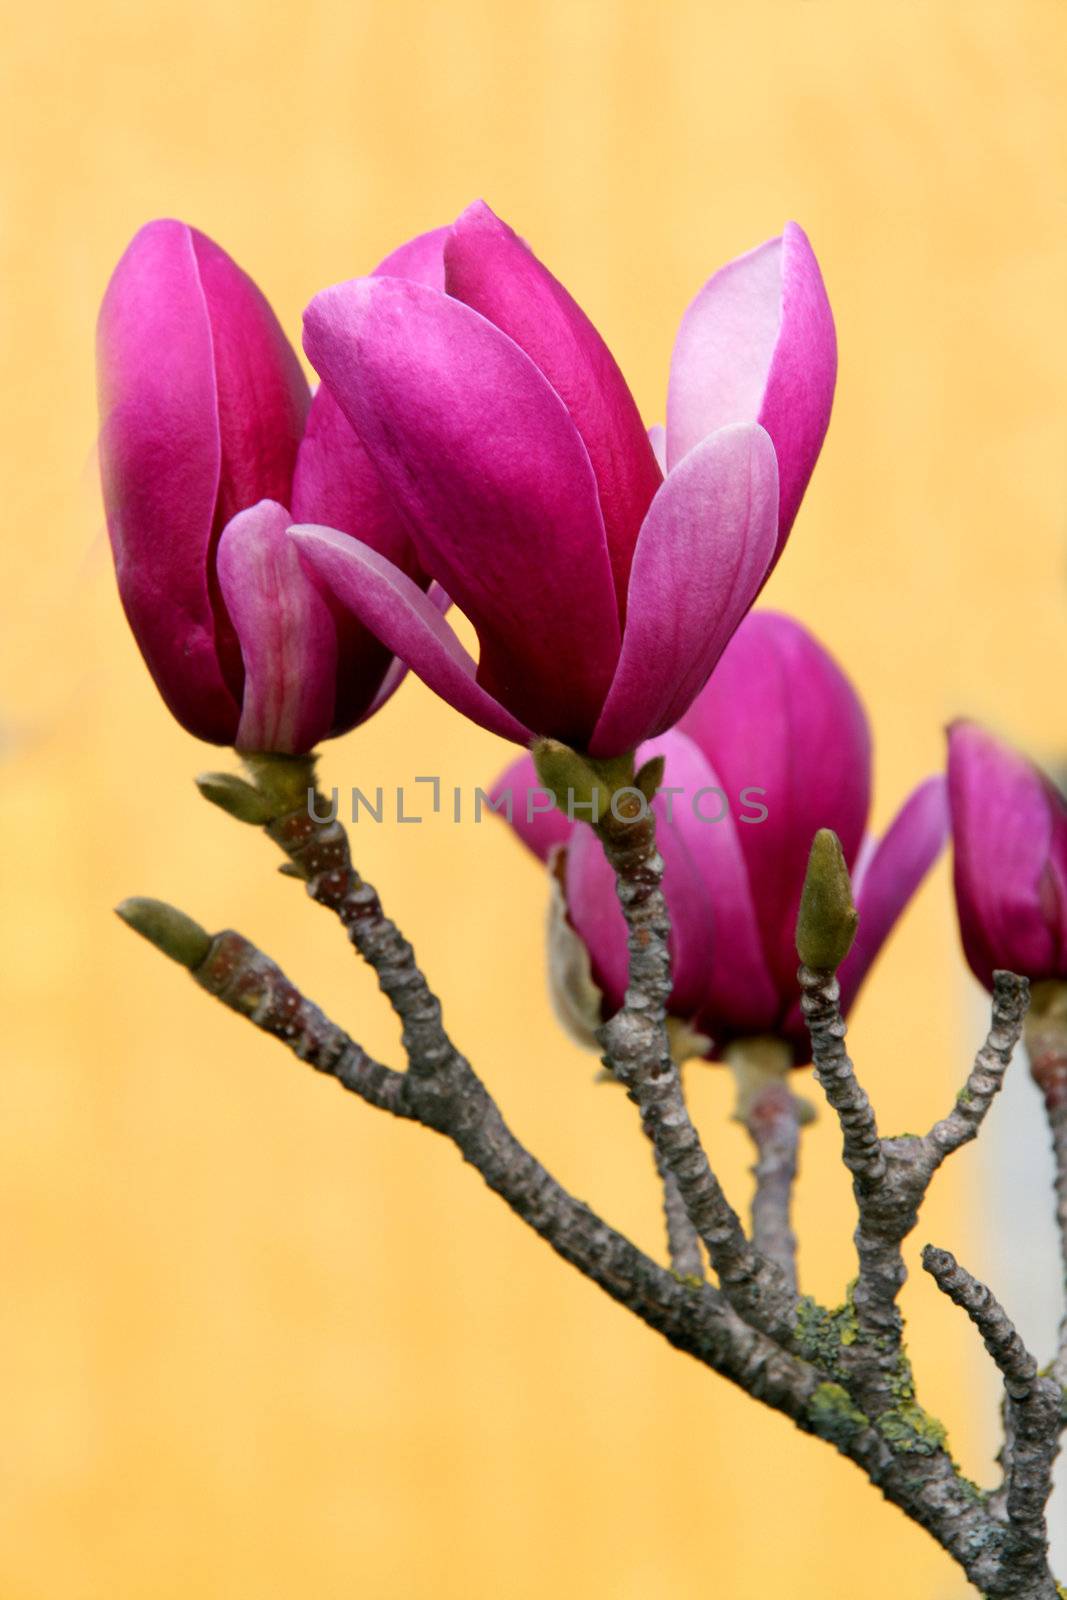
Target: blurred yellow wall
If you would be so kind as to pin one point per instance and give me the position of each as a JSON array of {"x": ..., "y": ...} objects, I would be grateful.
[{"x": 255, "y": 1339}]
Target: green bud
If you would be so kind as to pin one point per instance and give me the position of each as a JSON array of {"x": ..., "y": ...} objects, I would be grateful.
[
  {"x": 169, "y": 929},
  {"x": 826, "y": 923},
  {"x": 581, "y": 781},
  {"x": 570, "y": 778},
  {"x": 233, "y": 795}
]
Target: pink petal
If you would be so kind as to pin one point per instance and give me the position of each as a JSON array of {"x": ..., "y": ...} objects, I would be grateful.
[
  {"x": 491, "y": 269},
  {"x": 407, "y": 622},
  {"x": 421, "y": 259},
  {"x": 758, "y": 344},
  {"x": 779, "y": 715},
  {"x": 398, "y": 670},
  {"x": 728, "y": 980},
  {"x": 700, "y": 562},
  {"x": 1009, "y": 828},
  {"x": 893, "y": 873},
  {"x": 285, "y": 630},
  {"x": 262, "y": 394},
  {"x": 481, "y": 458},
  {"x": 337, "y": 486},
  {"x": 596, "y": 915},
  {"x": 519, "y": 794},
  {"x": 159, "y": 458}
]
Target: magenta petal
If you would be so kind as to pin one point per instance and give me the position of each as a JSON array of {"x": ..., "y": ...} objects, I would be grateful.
[
  {"x": 262, "y": 394},
  {"x": 285, "y": 630},
  {"x": 892, "y": 874},
  {"x": 728, "y": 979},
  {"x": 336, "y": 483},
  {"x": 398, "y": 670},
  {"x": 159, "y": 459},
  {"x": 780, "y": 716},
  {"x": 336, "y": 486},
  {"x": 596, "y": 915},
  {"x": 407, "y": 622},
  {"x": 700, "y": 562},
  {"x": 421, "y": 259},
  {"x": 758, "y": 344},
  {"x": 482, "y": 459},
  {"x": 1009, "y": 829},
  {"x": 519, "y": 797},
  {"x": 491, "y": 269}
]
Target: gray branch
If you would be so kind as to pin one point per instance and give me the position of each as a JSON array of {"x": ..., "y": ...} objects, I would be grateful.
[
  {"x": 1032, "y": 1406},
  {"x": 862, "y": 1149},
  {"x": 1010, "y": 997},
  {"x": 1046, "y": 1044},
  {"x": 638, "y": 1051},
  {"x": 829, "y": 1375},
  {"x": 891, "y": 1176},
  {"x": 683, "y": 1242},
  {"x": 887, "y": 1185},
  {"x": 1057, "y": 1116},
  {"x": 455, "y": 1102},
  {"x": 698, "y": 1319},
  {"x": 773, "y": 1121}
]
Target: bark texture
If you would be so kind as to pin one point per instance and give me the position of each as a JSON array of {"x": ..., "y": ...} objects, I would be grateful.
[{"x": 840, "y": 1374}]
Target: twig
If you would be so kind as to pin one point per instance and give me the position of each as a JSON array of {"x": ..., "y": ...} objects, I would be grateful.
[
  {"x": 1057, "y": 1116},
  {"x": 683, "y": 1243},
  {"x": 891, "y": 1176},
  {"x": 821, "y": 1004},
  {"x": 886, "y": 1197},
  {"x": 441, "y": 1090},
  {"x": 1046, "y": 1044},
  {"x": 637, "y": 1049},
  {"x": 1033, "y": 1406},
  {"x": 318, "y": 852},
  {"x": 773, "y": 1121},
  {"x": 247, "y": 981},
  {"x": 698, "y": 1320},
  {"x": 694, "y": 1318},
  {"x": 1010, "y": 998}
]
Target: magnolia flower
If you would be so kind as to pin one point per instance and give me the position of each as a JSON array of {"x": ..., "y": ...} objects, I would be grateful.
[
  {"x": 774, "y": 748},
  {"x": 602, "y": 591},
  {"x": 1009, "y": 833},
  {"x": 203, "y": 452}
]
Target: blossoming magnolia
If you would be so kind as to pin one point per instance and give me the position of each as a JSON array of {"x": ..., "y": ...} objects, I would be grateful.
[
  {"x": 778, "y": 719},
  {"x": 602, "y": 592},
  {"x": 203, "y": 447},
  {"x": 1009, "y": 835}
]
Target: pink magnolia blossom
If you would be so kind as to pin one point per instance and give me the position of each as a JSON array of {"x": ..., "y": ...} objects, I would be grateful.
[
  {"x": 602, "y": 592},
  {"x": 203, "y": 452},
  {"x": 1009, "y": 835},
  {"x": 778, "y": 728}
]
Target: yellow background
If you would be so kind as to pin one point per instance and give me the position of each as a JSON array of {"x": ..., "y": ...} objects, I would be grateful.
[{"x": 255, "y": 1339}]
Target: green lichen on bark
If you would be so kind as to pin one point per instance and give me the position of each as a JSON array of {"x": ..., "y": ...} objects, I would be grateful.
[
  {"x": 834, "y": 1417},
  {"x": 910, "y": 1430},
  {"x": 820, "y": 1335}
]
